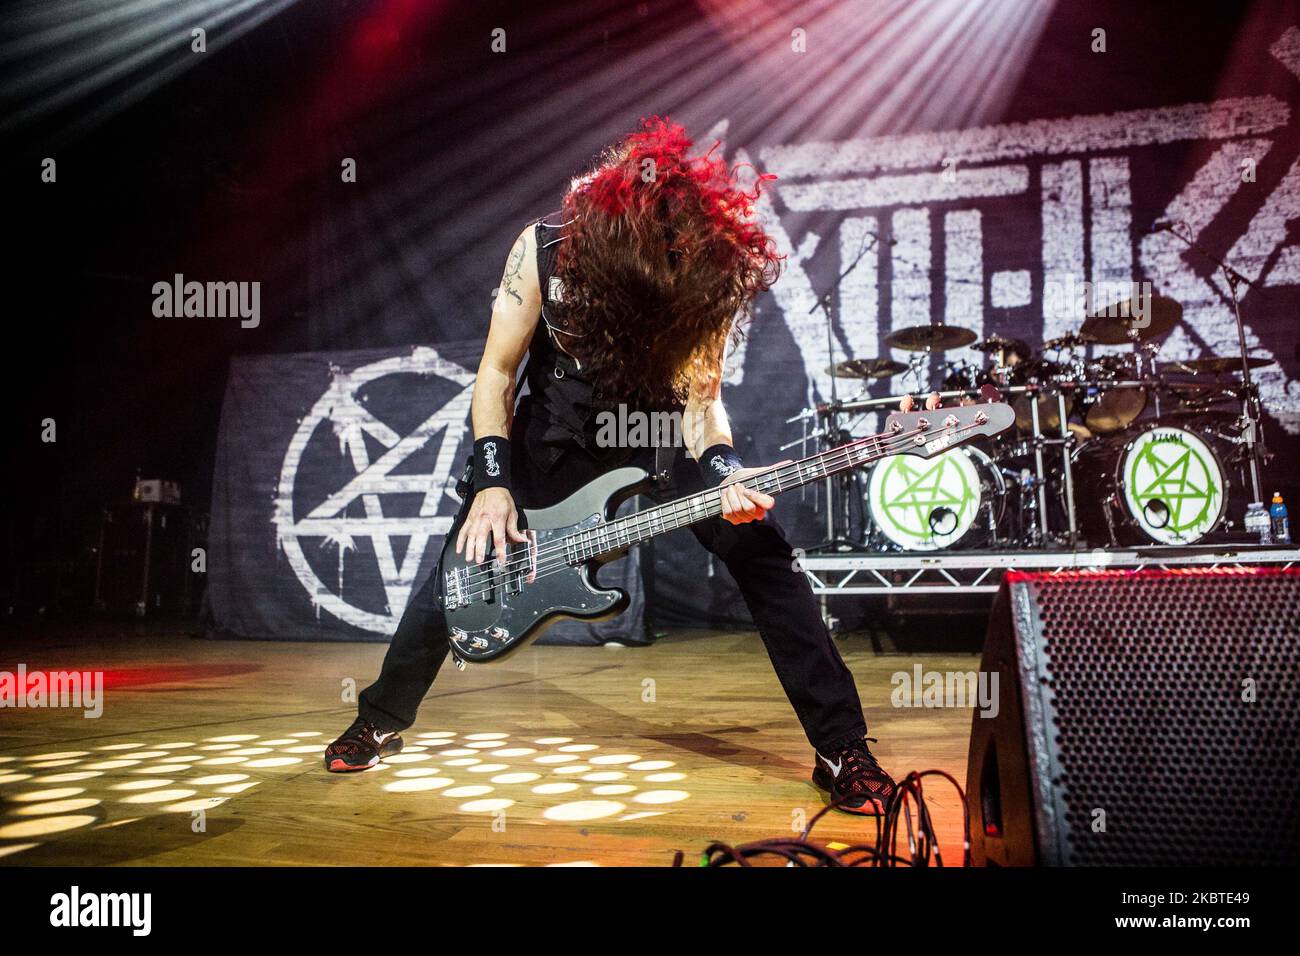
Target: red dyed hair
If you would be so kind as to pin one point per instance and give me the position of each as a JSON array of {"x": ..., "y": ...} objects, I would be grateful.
[{"x": 663, "y": 260}]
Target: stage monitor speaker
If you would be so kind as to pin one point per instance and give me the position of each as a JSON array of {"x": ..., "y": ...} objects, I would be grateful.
[{"x": 1143, "y": 718}]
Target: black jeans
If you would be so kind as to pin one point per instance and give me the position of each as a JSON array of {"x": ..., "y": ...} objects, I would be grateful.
[{"x": 783, "y": 606}]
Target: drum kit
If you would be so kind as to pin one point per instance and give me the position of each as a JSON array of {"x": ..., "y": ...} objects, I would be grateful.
[{"x": 1112, "y": 448}]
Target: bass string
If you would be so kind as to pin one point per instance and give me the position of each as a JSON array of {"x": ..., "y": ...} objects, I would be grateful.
[
  {"x": 546, "y": 567},
  {"x": 683, "y": 507},
  {"x": 543, "y": 569},
  {"x": 554, "y": 567}
]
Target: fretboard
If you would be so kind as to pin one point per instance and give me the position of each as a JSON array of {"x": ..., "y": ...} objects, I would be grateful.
[{"x": 621, "y": 533}]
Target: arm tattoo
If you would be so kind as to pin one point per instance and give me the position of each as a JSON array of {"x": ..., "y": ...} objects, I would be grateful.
[{"x": 513, "y": 264}]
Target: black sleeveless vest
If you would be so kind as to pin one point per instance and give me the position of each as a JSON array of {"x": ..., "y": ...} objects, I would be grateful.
[
  {"x": 559, "y": 410},
  {"x": 559, "y": 398}
]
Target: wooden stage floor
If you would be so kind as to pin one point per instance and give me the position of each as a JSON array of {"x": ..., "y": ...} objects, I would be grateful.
[{"x": 209, "y": 753}]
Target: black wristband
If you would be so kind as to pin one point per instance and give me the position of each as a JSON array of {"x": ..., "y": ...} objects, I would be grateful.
[
  {"x": 491, "y": 462},
  {"x": 717, "y": 462}
]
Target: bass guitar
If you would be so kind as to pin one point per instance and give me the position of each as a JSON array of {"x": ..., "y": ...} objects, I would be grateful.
[{"x": 493, "y": 608}]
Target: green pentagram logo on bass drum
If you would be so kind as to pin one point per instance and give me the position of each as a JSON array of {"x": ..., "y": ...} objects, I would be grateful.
[
  {"x": 924, "y": 504},
  {"x": 1173, "y": 485}
]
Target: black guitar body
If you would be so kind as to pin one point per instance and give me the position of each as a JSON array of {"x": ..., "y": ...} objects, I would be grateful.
[{"x": 491, "y": 613}]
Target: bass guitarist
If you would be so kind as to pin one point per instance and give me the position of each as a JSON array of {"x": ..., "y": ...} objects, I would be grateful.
[{"x": 628, "y": 295}]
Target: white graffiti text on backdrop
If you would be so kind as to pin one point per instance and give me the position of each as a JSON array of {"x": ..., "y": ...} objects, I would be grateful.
[{"x": 906, "y": 187}]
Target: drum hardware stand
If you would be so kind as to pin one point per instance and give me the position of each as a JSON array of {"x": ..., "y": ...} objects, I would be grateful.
[
  {"x": 918, "y": 366},
  {"x": 1026, "y": 531},
  {"x": 1147, "y": 370},
  {"x": 832, "y": 431},
  {"x": 1251, "y": 431},
  {"x": 1067, "y": 467},
  {"x": 994, "y": 541},
  {"x": 1109, "y": 507},
  {"x": 1040, "y": 471}
]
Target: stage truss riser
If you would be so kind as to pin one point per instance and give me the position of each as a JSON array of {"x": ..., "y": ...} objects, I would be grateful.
[{"x": 887, "y": 574}]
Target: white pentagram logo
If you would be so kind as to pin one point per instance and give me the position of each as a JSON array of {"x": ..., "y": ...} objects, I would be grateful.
[{"x": 329, "y": 521}]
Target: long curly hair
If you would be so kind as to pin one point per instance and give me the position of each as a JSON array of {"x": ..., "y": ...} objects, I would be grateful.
[{"x": 663, "y": 260}]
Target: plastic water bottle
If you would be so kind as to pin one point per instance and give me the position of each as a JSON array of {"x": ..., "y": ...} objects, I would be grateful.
[
  {"x": 1258, "y": 522},
  {"x": 1281, "y": 528}
]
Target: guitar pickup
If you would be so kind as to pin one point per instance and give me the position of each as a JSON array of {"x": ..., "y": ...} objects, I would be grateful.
[
  {"x": 523, "y": 564},
  {"x": 532, "y": 556}
]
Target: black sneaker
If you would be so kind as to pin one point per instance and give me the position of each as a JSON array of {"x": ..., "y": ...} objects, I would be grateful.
[
  {"x": 855, "y": 781},
  {"x": 360, "y": 747}
]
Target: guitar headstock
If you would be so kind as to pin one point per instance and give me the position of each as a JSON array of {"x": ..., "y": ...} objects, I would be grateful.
[{"x": 934, "y": 431}]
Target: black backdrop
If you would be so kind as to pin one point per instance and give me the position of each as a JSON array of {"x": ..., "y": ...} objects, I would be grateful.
[
  {"x": 1059, "y": 157},
  {"x": 335, "y": 486}
]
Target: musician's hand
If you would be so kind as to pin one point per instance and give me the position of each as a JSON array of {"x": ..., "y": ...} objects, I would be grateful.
[
  {"x": 908, "y": 402},
  {"x": 492, "y": 515},
  {"x": 740, "y": 504}
]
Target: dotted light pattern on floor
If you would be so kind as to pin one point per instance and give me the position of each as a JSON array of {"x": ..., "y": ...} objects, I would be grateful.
[
  {"x": 520, "y": 770},
  {"x": 53, "y": 795}
]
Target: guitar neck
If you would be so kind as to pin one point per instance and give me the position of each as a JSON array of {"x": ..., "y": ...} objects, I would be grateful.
[{"x": 621, "y": 533}]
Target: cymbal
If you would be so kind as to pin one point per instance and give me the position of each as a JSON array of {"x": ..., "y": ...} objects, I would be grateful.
[
  {"x": 929, "y": 338},
  {"x": 1082, "y": 432},
  {"x": 866, "y": 368},
  {"x": 996, "y": 343},
  {"x": 1070, "y": 340},
  {"x": 1215, "y": 365},
  {"x": 1116, "y": 325}
]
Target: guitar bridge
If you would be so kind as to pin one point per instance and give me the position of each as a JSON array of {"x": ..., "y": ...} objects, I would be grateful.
[{"x": 455, "y": 589}]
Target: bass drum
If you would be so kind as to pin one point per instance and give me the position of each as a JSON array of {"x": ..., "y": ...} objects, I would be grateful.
[
  {"x": 1162, "y": 485},
  {"x": 925, "y": 504}
]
